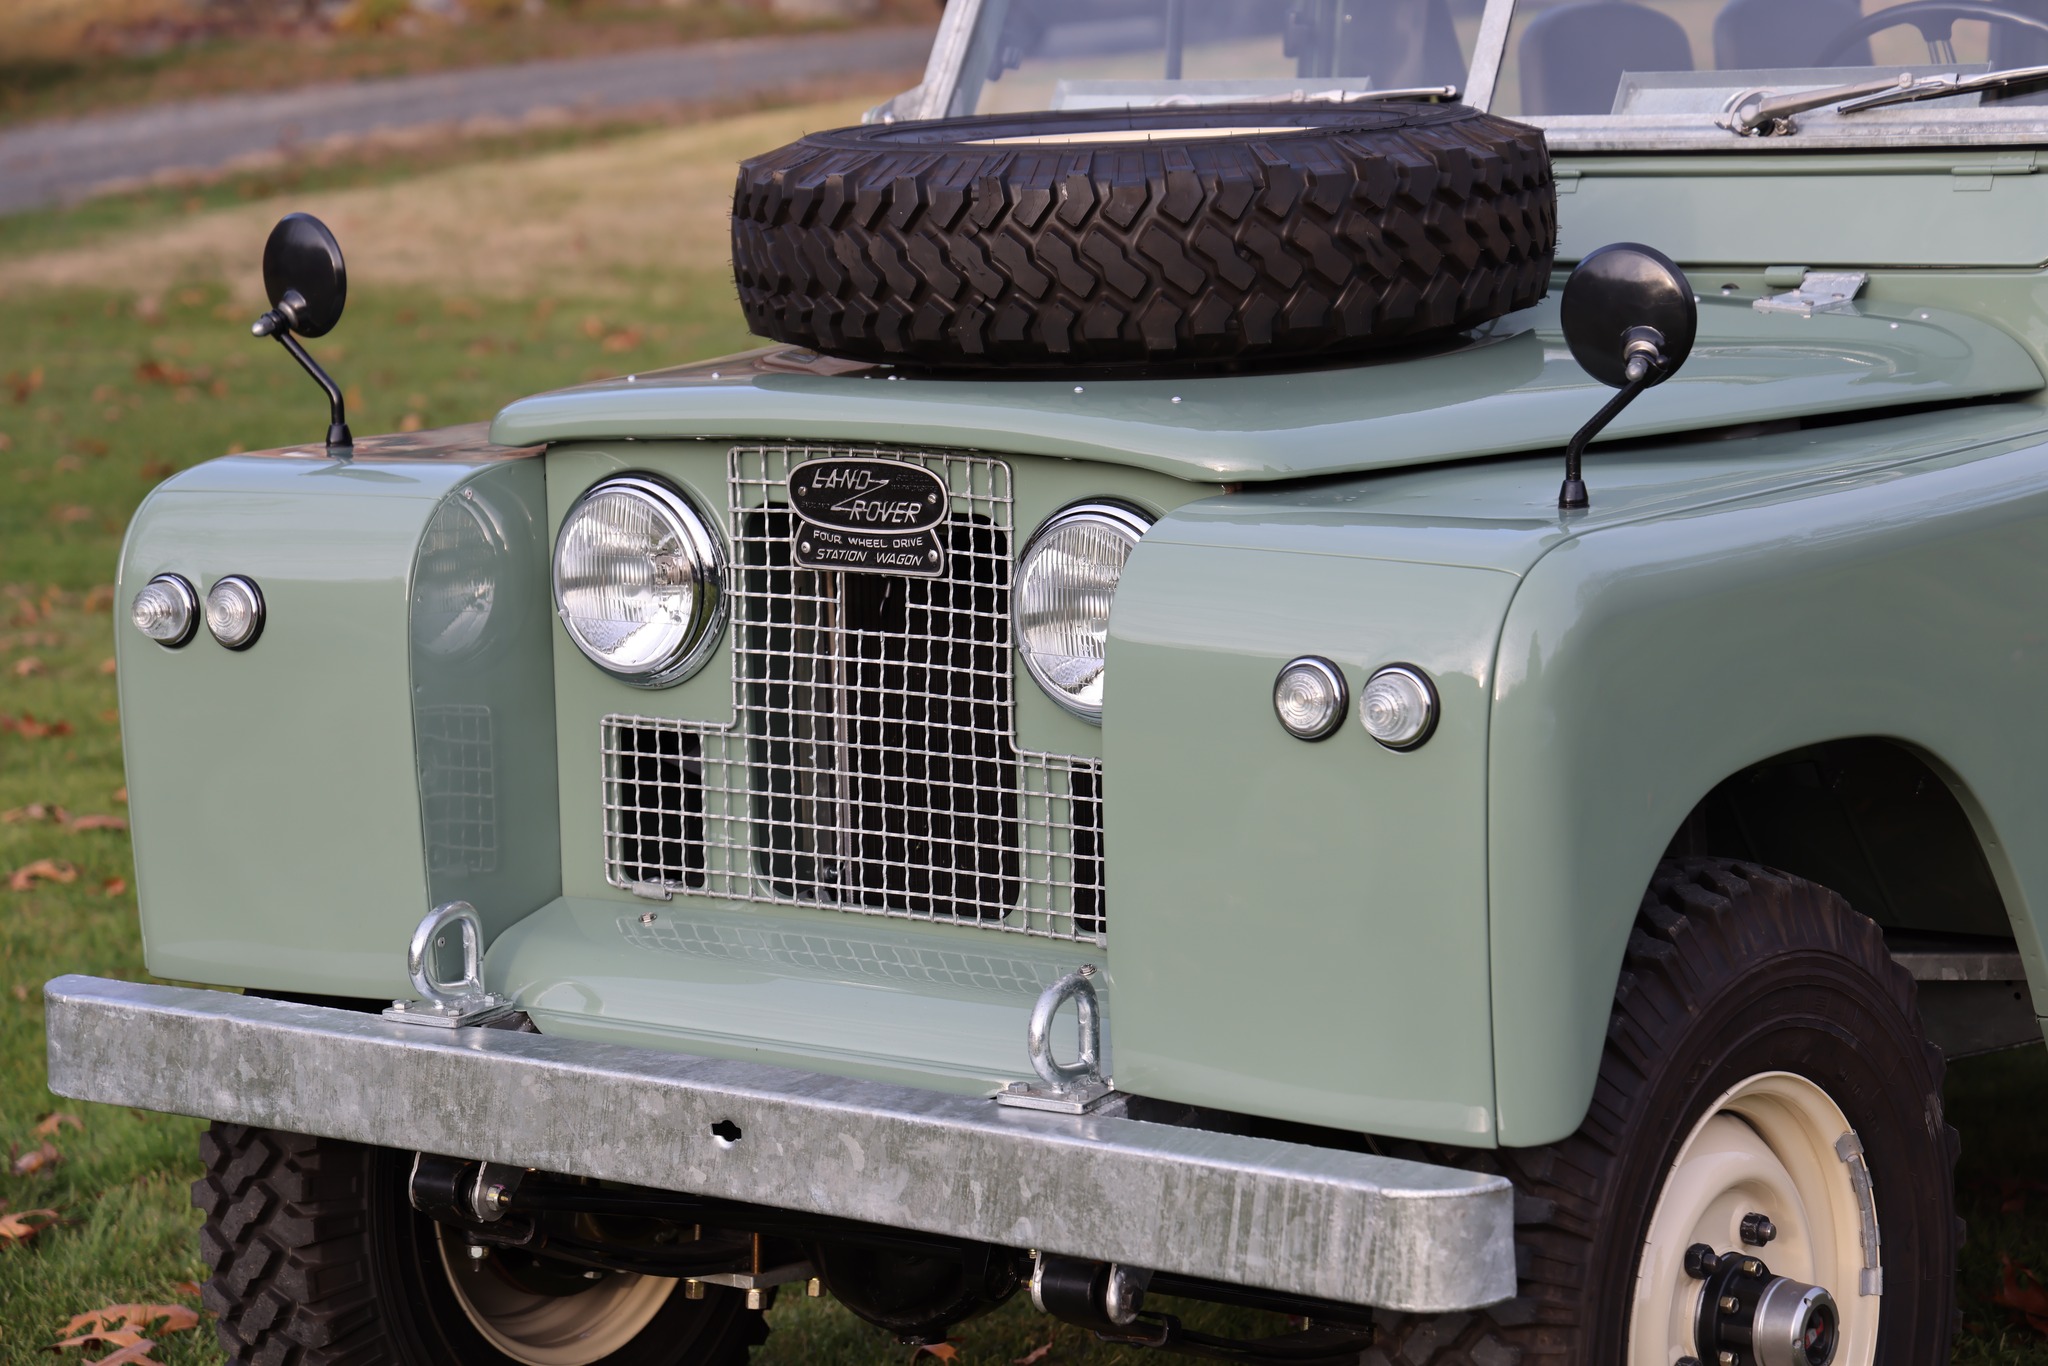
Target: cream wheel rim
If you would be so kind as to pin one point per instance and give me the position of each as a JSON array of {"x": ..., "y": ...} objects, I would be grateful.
[
  {"x": 551, "y": 1330},
  {"x": 1775, "y": 1145}
]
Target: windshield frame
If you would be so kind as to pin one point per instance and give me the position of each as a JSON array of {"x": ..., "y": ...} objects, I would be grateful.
[{"x": 1894, "y": 126}]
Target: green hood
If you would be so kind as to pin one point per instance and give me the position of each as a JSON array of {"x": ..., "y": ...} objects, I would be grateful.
[{"x": 1513, "y": 387}]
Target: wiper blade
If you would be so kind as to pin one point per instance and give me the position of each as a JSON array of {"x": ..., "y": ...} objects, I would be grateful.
[
  {"x": 1941, "y": 87},
  {"x": 1765, "y": 113}
]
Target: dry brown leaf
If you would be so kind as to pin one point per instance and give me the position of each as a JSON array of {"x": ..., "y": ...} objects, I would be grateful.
[
  {"x": 43, "y": 869},
  {"x": 28, "y": 728},
  {"x": 100, "y": 598},
  {"x": 35, "y": 1159},
  {"x": 111, "y": 1337},
  {"x": 97, "y": 823},
  {"x": 944, "y": 1351},
  {"x": 28, "y": 666},
  {"x": 1034, "y": 1356},
  {"x": 136, "y": 1355},
  {"x": 121, "y": 795},
  {"x": 71, "y": 514},
  {"x": 177, "y": 1318},
  {"x": 107, "y": 665},
  {"x": 114, "y": 886},
  {"x": 19, "y": 1228},
  {"x": 189, "y": 1289},
  {"x": 51, "y": 1123},
  {"x": 411, "y": 422},
  {"x": 34, "y": 811},
  {"x": 2031, "y": 1300}
]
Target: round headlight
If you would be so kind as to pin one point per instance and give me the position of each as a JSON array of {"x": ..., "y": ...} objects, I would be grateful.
[
  {"x": 166, "y": 610},
  {"x": 1065, "y": 582},
  {"x": 1309, "y": 697},
  {"x": 1398, "y": 706},
  {"x": 234, "y": 612},
  {"x": 640, "y": 581}
]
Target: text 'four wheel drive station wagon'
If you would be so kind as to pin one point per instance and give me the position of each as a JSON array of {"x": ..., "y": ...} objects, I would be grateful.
[{"x": 1136, "y": 754}]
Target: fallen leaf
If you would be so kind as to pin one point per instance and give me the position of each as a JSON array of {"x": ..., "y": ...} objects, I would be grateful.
[
  {"x": 115, "y": 1318},
  {"x": 28, "y": 728},
  {"x": 114, "y": 886},
  {"x": 20, "y": 994},
  {"x": 112, "y": 1337},
  {"x": 86, "y": 445},
  {"x": 107, "y": 665},
  {"x": 35, "y": 1159},
  {"x": 34, "y": 811},
  {"x": 28, "y": 666},
  {"x": 154, "y": 469},
  {"x": 112, "y": 716},
  {"x": 24, "y": 386},
  {"x": 1034, "y": 1356},
  {"x": 19, "y": 1228},
  {"x": 121, "y": 795},
  {"x": 43, "y": 869},
  {"x": 2030, "y": 1300},
  {"x": 190, "y": 1289},
  {"x": 411, "y": 422},
  {"x": 944, "y": 1351},
  {"x": 98, "y": 823},
  {"x": 51, "y": 1123},
  {"x": 71, "y": 514},
  {"x": 624, "y": 340},
  {"x": 99, "y": 598},
  {"x": 136, "y": 1355}
]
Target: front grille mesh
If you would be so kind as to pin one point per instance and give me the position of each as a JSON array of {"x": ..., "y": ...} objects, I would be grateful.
[{"x": 871, "y": 765}]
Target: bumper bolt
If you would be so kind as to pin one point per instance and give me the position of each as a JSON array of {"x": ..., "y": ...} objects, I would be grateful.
[
  {"x": 814, "y": 1287},
  {"x": 693, "y": 1290},
  {"x": 757, "y": 1299},
  {"x": 1757, "y": 1230},
  {"x": 477, "y": 1252}
]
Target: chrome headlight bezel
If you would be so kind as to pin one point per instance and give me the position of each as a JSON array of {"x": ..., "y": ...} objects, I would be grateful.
[
  {"x": 1123, "y": 521},
  {"x": 700, "y": 548}
]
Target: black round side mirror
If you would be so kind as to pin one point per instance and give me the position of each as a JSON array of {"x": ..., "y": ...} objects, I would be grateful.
[
  {"x": 1629, "y": 317},
  {"x": 1628, "y": 302},
  {"x": 304, "y": 276}
]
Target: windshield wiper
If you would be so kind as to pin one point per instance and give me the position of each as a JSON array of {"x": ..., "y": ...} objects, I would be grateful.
[
  {"x": 1941, "y": 87},
  {"x": 1763, "y": 113}
]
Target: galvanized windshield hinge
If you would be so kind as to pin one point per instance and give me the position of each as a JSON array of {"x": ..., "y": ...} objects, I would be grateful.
[
  {"x": 1067, "y": 1088},
  {"x": 1819, "y": 291}
]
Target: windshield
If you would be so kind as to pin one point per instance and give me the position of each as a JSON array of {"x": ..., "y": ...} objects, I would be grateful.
[{"x": 1595, "y": 74}]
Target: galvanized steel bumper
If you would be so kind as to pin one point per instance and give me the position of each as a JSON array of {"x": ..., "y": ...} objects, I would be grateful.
[{"x": 1282, "y": 1216}]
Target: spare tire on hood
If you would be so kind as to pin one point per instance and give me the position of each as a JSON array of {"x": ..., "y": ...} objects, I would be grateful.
[{"x": 1224, "y": 234}]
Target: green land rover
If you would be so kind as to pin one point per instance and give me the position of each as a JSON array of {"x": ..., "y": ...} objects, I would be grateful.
[{"x": 1136, "y": 752}]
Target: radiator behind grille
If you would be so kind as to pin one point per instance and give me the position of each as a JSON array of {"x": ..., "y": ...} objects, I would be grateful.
[{"x": 871, "y": 765}]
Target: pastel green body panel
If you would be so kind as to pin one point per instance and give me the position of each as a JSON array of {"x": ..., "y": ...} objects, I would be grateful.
[
  {"x": 281, "y": 839},
  {"x": 1300, "y": 928}
]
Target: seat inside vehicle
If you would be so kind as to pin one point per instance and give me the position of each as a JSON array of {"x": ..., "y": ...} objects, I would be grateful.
[
  {"x": 1573, "y": 57},
  {"x": 1763, "y": 34}
]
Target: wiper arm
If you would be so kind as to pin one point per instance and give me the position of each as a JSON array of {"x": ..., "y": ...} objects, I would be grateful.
[
  {"x": 1763, "y": 113},
  {"x": 1941, "y": 87}
]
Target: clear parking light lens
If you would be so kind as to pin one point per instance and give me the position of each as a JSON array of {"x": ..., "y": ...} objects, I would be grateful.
[
  {"x": 166, "y": 610},
  {"x": 1309, "y": 697},
  {"x": 234, "y": 612},
  {"x": 1065, "y": 583},
  {"x": 640, "y": 581},
  {"x": 1398, "y": 706}
]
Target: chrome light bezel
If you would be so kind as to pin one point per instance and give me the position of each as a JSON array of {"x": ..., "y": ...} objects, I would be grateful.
[
  {"x": 1333, "y": 677},
  {"x": 1122, "y": 519},
  {"x": 237, "y": 583},
  {"x": 1433, "y": 706},
  {"x": 187, "y": 595},
  {"x": 706, "y": 550}
]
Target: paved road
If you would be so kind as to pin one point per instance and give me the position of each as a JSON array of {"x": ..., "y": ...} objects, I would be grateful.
[{"x": 63, "y": 159}]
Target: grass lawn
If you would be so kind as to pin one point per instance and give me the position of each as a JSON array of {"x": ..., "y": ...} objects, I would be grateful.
[{"x": 125, "y": 355}]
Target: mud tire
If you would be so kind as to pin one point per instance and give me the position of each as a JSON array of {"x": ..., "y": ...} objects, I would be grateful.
[
  {"x": 934, "y": 244},
  {"x": 1731, "y": 969},
  {"x": 318, "y": 1259}
]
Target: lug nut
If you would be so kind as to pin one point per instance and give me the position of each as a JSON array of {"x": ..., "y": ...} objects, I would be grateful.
[
  {"x": 1699, "y": 1261},
  {"x": 1757, "y": 1230}
]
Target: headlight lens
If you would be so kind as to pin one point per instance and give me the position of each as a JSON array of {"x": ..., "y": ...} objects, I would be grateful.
[
  {"x": 1065, "y": 583},
  {"x": 166, "y": 610},
  {"x": 234, "y": 612},
  {"x": 640, "y": 581}
]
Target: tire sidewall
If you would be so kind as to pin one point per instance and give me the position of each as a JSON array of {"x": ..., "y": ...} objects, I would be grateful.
[{"x": 1820, "y": 1016}]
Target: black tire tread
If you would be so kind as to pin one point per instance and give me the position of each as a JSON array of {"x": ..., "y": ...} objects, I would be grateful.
[
  {"x": 1413, "y": 224},
  {"x": 289, "y": 1246},
  {"x": 1687, "y": 932}
]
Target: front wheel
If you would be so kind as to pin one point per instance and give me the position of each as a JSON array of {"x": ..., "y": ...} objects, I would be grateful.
[
  {"x": 1764, "y": 1177},
  {"x": 319, "y": 1259}
]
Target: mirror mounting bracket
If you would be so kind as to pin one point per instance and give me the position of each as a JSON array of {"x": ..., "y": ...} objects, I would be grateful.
[
  {"x": 278, "y": 323},
  {"x": 1644, "y": 367}
]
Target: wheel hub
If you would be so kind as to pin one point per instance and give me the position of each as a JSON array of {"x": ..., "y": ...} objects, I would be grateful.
[{"x": 1749, "y": 1317}]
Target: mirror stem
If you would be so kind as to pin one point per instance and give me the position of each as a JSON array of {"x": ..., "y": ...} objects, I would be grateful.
[
  {"x": 340, "y": 444},
  {"x": 1645, "y": 366}
]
